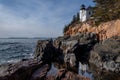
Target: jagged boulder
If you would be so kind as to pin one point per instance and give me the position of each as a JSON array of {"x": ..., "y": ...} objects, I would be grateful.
[
  {"x": 68, "y": 75},
  {"x": 117, "y": 59},
  {"x": 41, "y": 44},
  {"x": 79, "y": 45},
  {"x": 70, "y": 58},
  {"x": 71, "y": 41},
  {"x": 45, "y": 51},
  {"x": 106, "y": 54},
  {"x": 21, "y": 70},
  {"x": 40, "y": 74}
]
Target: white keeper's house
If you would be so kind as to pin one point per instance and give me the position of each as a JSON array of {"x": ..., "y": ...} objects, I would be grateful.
[{"x": 85, "y": 13}]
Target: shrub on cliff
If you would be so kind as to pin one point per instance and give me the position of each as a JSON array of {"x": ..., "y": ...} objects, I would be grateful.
[
  {"x": 106, "y": 10},
  {"x": 74, "y": 20},
  {"x": 65, "y": 28}
]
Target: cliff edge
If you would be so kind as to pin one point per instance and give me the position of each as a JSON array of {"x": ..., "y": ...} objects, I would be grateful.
[{"x": 104, "y": 30}]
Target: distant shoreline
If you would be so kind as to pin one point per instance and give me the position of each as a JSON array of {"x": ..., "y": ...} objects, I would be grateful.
[{"x": 26, "y": 38}]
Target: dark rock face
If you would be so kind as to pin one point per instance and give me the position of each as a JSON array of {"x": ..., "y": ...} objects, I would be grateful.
[
  {"x": 70, "y": 58},
  {"x": 41, "y": 44},
  {"x": 103, "y": 74},
  {"x": 106, "y": 54},
  {"x": 40, "y": 73},
  {"x": 48, "y": 53},
  {"x": 21, "y": 70},
  {"x": 45, "y": 50},
  {"x": 66, "y": 75},
  {"x": 78, "y": 45},
  {"x": 67, "y": 49}
]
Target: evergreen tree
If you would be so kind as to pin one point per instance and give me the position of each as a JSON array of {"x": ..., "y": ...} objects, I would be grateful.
[
  {"x": 78, "y": 18},
  {"x": 65, "y": 28},
  {"x": 106, "y": 10},
  {"x": 74, "y": 19}
]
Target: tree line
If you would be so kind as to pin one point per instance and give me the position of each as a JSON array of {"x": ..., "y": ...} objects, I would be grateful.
[
  {"x": 75, "y": 19},
  {"x": 106, "y": 10}
]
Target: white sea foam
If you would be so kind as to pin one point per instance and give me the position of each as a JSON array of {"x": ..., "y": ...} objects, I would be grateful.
[{"x": 14, "y": 50}]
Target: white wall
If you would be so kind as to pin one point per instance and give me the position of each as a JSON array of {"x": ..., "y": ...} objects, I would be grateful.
[{"x": 83, "y": 15}]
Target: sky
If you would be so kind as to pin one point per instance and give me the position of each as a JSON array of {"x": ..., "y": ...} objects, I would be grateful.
[{"x": 37, "y": 18}]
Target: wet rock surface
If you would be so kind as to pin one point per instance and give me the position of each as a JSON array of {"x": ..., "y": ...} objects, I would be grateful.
[
  {"x": 106, "y": 54},
  {"x": 21, "y": 70},
  {"x": 79, "y": 45},
  {"x": 103, "y": 74},
  {"x": 63, "y": 74},
  {"x": 47, "y": 52},
  {"x": 66, "y": 57},
  {"x": 68, "y": 75},
  {"x": 40, "y": 73}
]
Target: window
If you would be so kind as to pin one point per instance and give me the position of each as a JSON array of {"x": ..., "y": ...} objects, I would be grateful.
[{"x": 89, "y": 13}]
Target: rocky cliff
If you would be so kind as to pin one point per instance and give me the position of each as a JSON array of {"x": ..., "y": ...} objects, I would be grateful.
[
  {"x": 80, "y": 50},
  {"x": 78, "y": 57},
  {"x": 103, "y": 31}
]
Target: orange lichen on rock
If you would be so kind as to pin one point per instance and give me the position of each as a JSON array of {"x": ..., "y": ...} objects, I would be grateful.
[{"x": 104, "y": 30}]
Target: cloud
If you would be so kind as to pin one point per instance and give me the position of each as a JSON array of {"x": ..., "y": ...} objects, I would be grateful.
[{"x": 31, "y": 18}]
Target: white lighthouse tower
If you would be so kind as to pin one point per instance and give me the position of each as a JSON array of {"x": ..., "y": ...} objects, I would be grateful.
[{"x": 85, "y": 13}]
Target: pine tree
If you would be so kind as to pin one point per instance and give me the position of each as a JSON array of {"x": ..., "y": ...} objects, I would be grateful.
[
  {"x": 78, "y": 17},
  {"x": 65, "y": 28},
  {"x": 106, "y": 10}
]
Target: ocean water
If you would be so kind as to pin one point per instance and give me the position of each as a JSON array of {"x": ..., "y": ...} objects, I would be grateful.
[{"x": 13, "y": 50}]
